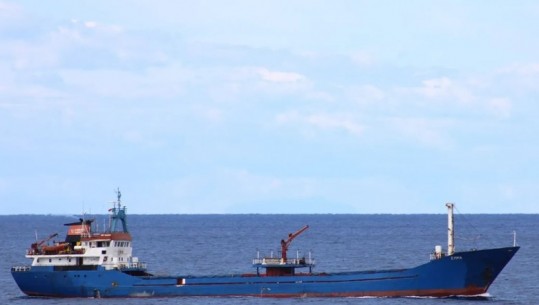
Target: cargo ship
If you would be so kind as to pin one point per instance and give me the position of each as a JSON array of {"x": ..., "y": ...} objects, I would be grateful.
[{"x": 96, "y": 264}]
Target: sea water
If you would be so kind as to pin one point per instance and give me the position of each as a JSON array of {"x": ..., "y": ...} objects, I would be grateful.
[{"x": 226, "y": 244}]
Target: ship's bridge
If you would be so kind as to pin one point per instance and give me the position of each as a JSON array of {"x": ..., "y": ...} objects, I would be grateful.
[{"x": 111, "y": 249}]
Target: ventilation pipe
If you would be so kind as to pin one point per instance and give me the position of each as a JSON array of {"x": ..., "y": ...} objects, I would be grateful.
[{"x": 450, "y": 229}]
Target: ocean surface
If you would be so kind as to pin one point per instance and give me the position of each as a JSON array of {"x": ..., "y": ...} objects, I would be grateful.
[{"x": 225, "y": 244}]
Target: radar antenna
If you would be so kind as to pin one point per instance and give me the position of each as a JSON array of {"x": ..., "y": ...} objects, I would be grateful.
[{"x": 119, "y": 195}]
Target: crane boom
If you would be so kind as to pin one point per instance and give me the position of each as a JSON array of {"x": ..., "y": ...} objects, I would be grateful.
[
  {"x": 286, "y": 243},
  {"x": 47, "y": 239},
  {"x": 37, "y": 246}
]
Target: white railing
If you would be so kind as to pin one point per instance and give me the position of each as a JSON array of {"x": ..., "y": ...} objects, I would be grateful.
[
  {"x": 137, "y": 265},
  {"x": 280, "y": 261},
  {"x": 21, "y": 268}
]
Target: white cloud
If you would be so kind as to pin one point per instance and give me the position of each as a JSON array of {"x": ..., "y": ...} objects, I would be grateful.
[
  {"x": 151, "y": 82},
  {"x": 428, "y": 132},
  {"x": 9, "y": 12},
  {"x": 528, "y": 69},
  {"x": 507, "y": 191},
  {"x": 325, "y": 121},
  {"x": 500, "y": 107},
  {"x": 229, "y": 187},
  {"x": 444, "y": 88},
  {"x": 366, "y": 94},
  {"x": 237, "y": 190},
  {"x": 521, "y": 77},
  {"x": 18, "y": 88},
  {"x": 74, "y": 43},
  {"x": 29, "y": 56},
  {"x": 322, "y": 121},
  {"x": 164, "y": 82},
  {"x": 254, "y": 83},
  {"x": 455, "y": 97},
  {"x": 209, "y": 113},
  {"x": 279, "y": 77},
  {"x": 90, "y": 24},
  {"x": 363, "y": 58},
  {"x": 96, "y": 26}
]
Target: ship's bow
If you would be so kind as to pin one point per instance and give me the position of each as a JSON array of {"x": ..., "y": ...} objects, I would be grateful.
[{"x": 483, "y": 266}]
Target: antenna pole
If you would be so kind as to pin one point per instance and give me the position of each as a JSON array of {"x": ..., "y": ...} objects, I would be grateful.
[
  {"x": 119, "y": 197},
  {"x": 450, "y": 229}
]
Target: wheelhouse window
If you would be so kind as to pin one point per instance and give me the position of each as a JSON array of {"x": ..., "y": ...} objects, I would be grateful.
[{"x": 103, "y": 244}]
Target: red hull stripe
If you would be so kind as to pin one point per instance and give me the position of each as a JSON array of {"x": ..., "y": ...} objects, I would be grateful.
[{"x": 471, "y": 291}]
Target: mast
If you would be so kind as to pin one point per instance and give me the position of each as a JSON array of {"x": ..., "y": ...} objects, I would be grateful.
[
  {"x": 118, "y": 221},
  {"x": 450, "y": 230}
]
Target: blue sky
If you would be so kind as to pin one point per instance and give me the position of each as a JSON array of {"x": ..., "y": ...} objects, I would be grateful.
[{"x": 269, "y": 106}]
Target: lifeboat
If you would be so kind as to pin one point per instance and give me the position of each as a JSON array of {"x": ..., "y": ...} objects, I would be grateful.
[{"x": 55, "y": 249}]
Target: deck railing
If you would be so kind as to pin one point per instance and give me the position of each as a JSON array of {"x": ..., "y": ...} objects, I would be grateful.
[
  {"x": 20, "y": 268},
  {"x": 280, "y": 261},
  {"x": 137, "y": 265}
]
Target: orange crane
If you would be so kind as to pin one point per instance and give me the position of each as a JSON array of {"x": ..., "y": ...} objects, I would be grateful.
[{"x": 286, "y": 243}]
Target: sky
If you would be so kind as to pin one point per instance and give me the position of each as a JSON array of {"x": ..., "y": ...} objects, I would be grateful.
[{"x": 275, "y": 106}]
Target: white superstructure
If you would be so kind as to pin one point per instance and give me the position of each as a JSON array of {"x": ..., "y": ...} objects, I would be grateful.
[{"x": 111, "y": 249}]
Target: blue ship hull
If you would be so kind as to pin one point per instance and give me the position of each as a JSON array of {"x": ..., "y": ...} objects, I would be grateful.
[{"x": 463, "y": 273}]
